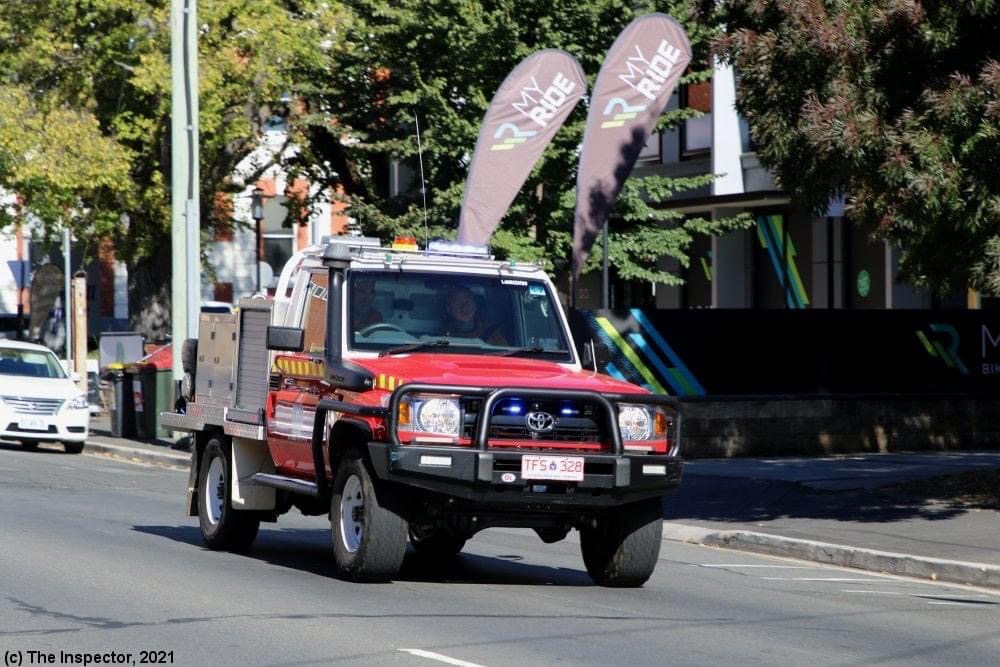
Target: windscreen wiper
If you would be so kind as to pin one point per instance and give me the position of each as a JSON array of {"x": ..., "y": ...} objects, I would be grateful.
[
  {"x": 525, "y": 350},
  {"x": 413, "y": 347}
]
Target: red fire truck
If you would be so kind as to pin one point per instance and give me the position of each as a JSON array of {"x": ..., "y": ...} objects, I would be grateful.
[{"x": 421, "y": 396}]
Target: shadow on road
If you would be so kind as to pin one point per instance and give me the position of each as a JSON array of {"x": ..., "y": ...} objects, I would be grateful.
[
  {"x": 707, "y": 498},
  {"x": 310, "y": 551},
  {"x": 43, "y": 448}
]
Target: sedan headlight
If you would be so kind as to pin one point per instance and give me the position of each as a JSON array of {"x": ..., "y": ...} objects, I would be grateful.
[
  {"x": 79, "y": 403},
  {"x": 433, "y": 415}
]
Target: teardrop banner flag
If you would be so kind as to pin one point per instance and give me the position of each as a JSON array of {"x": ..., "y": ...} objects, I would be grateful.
[
  {"x": 633, "y": 87},
  {"x": 530, "y": 106}
]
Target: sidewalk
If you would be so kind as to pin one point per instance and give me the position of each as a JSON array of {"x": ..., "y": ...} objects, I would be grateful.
[
  {"x": 155, "y": 451},
  {"x": 831, "y": 510},
  {"x": 837, "y": 510}
]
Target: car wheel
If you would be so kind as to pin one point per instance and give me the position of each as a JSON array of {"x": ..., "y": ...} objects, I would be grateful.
[
  {"x": 369, "y": 540},
  {"x": 435, "y": 543},
  {"x": 73, "y": 447},
  {"x": 222, "y": 526},
  {"x": 620, "y": 548},
  {"x": 30, "y": 445}
]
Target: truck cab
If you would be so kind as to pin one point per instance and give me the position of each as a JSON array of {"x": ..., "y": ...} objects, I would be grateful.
[{"x": 422, "y": 396}]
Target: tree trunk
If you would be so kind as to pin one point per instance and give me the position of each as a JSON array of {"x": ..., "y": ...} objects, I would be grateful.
[{"x": 149, "y": 294}]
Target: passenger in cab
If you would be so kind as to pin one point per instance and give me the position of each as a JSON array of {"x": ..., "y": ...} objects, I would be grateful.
[{"x": 462, "y": 319}]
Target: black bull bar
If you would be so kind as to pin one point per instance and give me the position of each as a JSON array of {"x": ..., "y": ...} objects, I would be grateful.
[{"x": 491, "y": 396}]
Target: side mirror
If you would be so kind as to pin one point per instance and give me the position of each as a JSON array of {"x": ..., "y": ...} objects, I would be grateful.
[
  {"x": 285, "y": 339},
  {"x": 594, "y": 355},
  {"x": 75, "y": 377},
  {"x": 603, "y": 354}
]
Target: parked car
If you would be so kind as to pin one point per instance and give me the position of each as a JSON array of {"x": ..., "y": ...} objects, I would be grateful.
[{"x": 39, "y": 402}]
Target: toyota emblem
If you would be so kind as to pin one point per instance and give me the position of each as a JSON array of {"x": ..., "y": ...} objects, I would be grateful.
[{"x": 540, "y": 422}]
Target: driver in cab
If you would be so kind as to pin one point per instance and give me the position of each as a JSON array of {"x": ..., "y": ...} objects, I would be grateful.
[
  {"x": 363, "y": 311},
  {"x": 463, "y": 321}
]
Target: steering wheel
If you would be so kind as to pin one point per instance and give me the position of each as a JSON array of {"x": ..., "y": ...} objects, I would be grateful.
[{"x": 381, "y": 326}]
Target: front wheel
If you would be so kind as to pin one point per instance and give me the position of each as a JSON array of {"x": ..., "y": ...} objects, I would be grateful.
[
  {"x": 369, "y": 540},
  {"x": 222, "y": 526},
  {"x": 73, "y": 447},
  {"x": 620, "y": 548}
]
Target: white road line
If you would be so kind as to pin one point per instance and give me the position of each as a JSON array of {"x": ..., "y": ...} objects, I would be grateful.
[
  {"x": 845, "y": 580},
  {"x": 778, "y": 567},
  {"x": 420, "y": 653},
  {"x": 950, "y": 604},
  {"x": 849, "y": 590}
]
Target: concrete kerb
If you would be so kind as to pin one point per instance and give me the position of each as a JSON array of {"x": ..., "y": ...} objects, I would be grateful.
[
  {"x": 149, "y": 456},
  {"x": 904, "y": 565}
]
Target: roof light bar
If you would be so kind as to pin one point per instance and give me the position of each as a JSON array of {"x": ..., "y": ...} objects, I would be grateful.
[{"x": 457, "y": 249}]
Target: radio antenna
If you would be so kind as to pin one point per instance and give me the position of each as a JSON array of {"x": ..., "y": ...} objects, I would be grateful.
[{"x": 423, "y": 183}]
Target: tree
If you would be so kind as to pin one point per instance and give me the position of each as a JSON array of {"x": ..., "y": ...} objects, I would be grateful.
[
  {"x": 88, "y": 84},
  {"x": 441, "y": 60},
  {"x": 893, "y": 103}
]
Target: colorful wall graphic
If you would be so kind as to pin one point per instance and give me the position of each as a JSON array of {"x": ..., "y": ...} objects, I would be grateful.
[
  {"x": 640, "y": 354},
  {"x": 772, "y": 237},
  {"x": 700, "y": 352}
]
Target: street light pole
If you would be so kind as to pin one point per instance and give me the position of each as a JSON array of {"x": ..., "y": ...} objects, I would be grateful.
[
  {"x": 257, "y": 213},
  {"x": 185, "y": 292}
]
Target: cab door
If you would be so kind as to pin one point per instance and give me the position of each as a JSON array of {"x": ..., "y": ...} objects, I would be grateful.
[{"x": 292, "y": 406}]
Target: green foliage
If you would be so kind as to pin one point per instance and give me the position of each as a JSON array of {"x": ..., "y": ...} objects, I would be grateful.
[
  {"x": 894, "y": 104},
  {"x": 442, "y": 60},
  {"x": 85, "y": 87}
]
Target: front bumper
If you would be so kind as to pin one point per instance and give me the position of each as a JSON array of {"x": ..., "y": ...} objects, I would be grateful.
[
  {"x": 67, "y": 425},
  {"x": 493, "y": 477}
]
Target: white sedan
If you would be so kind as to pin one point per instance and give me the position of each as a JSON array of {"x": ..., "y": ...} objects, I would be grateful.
[{"x": 38, "y": 401}]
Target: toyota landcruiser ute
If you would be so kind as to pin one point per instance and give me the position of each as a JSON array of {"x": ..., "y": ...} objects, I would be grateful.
[{"x": 421, "y": 396}]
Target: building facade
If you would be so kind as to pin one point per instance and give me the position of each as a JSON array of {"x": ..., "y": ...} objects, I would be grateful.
[{"x": 788, "y": 259}]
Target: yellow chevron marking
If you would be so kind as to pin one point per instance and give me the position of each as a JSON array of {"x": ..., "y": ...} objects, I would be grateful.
[{"x": 306, "y": 368}]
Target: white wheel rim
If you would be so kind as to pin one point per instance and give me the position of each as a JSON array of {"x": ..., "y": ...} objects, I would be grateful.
[
  {"x": 214, "y": 491},
  {"x": 352, "y": 513}
]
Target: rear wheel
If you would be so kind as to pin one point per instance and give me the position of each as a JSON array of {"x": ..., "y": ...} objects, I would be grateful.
[
  {"x": 620, "y": 548},
  {"x": 73, "y": 447},
  {"x": 435, "y": 543},
  {"x": 30, "y": 445},
  {"x": 222, "y": 526},
  {"x": 369, "y": 540}
]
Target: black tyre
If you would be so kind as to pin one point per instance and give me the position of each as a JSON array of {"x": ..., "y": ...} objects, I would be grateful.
[
  {"x": 73, "y": 447},
  {"x": 30, "y": 445},
  {"x": 222, "y": 527},
  {"x": 620, "y": 548},
  {"x": 368, "y": 540},
  {"x": 435, "y": 544}
]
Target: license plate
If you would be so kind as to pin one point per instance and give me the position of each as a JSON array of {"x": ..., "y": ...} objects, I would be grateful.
[
  {"x": 33, "y": 425},
  {"x": 560, "y": 468}
]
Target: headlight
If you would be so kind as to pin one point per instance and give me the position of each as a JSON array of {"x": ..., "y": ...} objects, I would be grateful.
[
  {"x": 437, "y": 415},
  {"x": 79, "y": 403},
  {"x": 635, "y": 422}
]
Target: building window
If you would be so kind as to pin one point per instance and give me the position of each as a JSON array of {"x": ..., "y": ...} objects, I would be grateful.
[
  {"x": 278, "y": 236},
  {"x": 651, "y": 151},
  {"x": 696, "y": 133}
]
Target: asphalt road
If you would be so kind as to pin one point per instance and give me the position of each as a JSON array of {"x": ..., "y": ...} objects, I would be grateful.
[{"x": 96, "y": 556}]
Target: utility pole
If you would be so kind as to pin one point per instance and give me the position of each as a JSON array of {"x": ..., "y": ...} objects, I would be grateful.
[
  {"x": 185, "y": 212},
  {"x": 605, "y": 282},
  {"x": 79, "y": 317},
  {"x": 67, "y": 297}
]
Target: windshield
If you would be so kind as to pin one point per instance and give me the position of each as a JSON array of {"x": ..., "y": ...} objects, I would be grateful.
[
  {"x": 460, "y": 314},
  {"x": 30, "y": 363}
]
